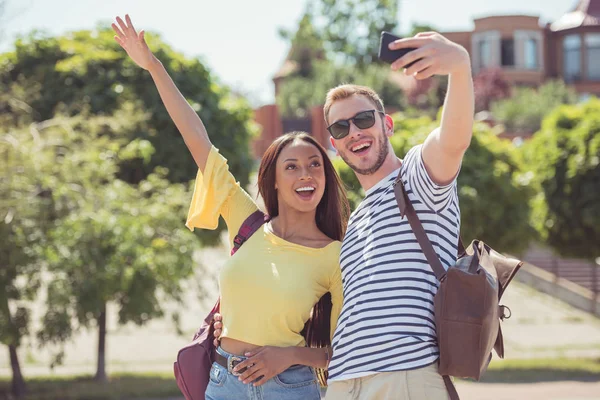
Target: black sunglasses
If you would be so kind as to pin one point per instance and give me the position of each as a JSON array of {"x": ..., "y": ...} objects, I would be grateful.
[{"x": 362, "y": 120}]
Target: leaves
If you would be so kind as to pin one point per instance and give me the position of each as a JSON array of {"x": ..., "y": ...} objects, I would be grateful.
[
  {"x": 563, "y": 159},
  {"x": 526, "y": 108}
]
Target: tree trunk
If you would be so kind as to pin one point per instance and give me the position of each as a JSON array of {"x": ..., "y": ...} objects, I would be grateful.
[
  {"x": 18, "y": 383},
  {"x": 101, "y": 367}
]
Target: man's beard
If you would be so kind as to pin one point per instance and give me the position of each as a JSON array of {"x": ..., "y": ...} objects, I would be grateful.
[{"x": 382, "y": 153}]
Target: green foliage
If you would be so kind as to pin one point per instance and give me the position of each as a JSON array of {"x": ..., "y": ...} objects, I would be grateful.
[
  {"x": 492, "y": 192},
  {"x": 99, "y": 238},
  {"x": 525, "y": 109},
  {"x": 23, "y": 223},
  {"x": 351, "y": 28},
  {"x": 306, "y": 45},
  {"x": 564, "y": 162},
  {"x": 87, "y": 71},
  {"x": 298, "y": 94}
]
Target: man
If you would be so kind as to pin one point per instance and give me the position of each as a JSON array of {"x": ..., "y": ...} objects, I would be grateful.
[{"x": 385, "y": 345}]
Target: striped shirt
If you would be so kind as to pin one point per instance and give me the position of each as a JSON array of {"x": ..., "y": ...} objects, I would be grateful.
[{"x": 387, "y": 321}]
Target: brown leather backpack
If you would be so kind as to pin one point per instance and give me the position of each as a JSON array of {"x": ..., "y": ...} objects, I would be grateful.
[{"x": 466, "y": 305}]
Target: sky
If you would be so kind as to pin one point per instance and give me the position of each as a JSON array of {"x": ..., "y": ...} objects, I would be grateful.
[{"x": 238, "y": 39}]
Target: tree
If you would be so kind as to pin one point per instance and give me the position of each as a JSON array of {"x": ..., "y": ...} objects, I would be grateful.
[
  {"x": 306, "y": 45},
  {"x": 22, "y": 224},
  {"x": 490, "y": 85},
  {"x": 110, "y": 241},
  {"x": 564, "y": 161},
  {"x": 351, "y": 28},
  {"x": 492, "y": 191},
  {"x": 86, "y": 71},
  {"x": 526, "y": 108}
]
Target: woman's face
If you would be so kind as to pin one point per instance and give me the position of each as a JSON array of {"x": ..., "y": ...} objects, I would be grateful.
[{"x": 300, "y": 176}]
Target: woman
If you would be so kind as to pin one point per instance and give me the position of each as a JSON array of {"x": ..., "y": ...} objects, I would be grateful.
[{"x": 269, "y": 287}]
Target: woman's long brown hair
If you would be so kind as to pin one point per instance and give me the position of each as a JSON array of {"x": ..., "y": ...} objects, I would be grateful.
[{"x": 331, "y": 217}]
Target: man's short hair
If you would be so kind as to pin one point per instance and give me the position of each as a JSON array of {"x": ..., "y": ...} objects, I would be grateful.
[{"x": 342, "y": 92}]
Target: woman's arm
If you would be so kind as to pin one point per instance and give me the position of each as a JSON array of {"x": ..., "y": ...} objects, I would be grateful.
[
  {"x": 185, "y": 118},
  {"x": 268, "y": 361}
]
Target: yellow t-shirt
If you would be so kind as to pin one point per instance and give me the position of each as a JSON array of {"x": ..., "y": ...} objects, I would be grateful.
[{"x": 269, "y": 287}]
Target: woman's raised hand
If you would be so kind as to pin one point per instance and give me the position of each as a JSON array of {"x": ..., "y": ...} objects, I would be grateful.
[{"x": 133, "y": 42}]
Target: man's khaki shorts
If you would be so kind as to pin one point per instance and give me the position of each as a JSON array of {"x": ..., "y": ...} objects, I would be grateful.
[{"x": 418, "y": 384}]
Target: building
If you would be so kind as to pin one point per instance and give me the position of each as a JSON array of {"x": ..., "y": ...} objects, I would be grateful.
[{"x": 529, "y": 53}]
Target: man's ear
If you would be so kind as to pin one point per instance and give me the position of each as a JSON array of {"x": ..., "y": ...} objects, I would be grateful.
[
  {"x": 389, "y": 126},
  {"x": 332, "y": 141}
]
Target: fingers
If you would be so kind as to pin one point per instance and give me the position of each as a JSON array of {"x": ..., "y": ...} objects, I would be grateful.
[
  {"x": 143, "y": 40},
  {"x": 251, "y": 374},
  {"x": 253, "y": 352},
  {"x": 246, "y": 364},
  {"x": 408, "y": 43},
  {"x": 412, "y": 56},
  {"x": 217, "y": 316},
  {"x": 120, "y": 41},
  {"x": 419, "y": 66},
  {"x": 130, "y": 25},
  {"x": 123, "y": 27},
  {"x": 424, "y": 74},
  {"x": 118, "y": 31},
  {"x": 425, "y": 34},
  {"x": 262, "y": 380}
]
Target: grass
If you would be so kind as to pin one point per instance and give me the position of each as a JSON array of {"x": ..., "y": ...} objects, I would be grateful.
[
  {"x": 157, "y": 385},
  {"x": 119, "y": 387},
  {"x": 543, "y": 370}
]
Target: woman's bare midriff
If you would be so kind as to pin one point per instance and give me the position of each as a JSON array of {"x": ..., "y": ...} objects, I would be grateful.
[{"x": 237, "y": 347}]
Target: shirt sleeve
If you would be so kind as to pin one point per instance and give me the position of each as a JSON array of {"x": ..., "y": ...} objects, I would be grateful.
[
  {"x": 337, "y": 296},
  {"x": 435, "y": 197},
  {"x": 216, "y": 193}
]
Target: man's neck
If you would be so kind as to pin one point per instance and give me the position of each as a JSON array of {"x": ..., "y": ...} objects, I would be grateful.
[{"x": 390, "y": 164}]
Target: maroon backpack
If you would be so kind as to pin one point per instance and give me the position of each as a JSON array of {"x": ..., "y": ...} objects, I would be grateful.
[{"x": 194, "y": 361}]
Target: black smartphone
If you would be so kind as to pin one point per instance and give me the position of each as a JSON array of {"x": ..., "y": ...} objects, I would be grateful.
[{"x": 389, "y": 56}]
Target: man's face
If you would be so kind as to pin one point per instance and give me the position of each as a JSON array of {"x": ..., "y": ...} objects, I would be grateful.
[{"x": 364, "y": 150}]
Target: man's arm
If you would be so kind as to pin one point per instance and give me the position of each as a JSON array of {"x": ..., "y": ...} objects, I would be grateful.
[{"x": 444, "y": 147}]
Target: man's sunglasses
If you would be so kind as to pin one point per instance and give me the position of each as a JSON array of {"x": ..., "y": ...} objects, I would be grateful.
[{"x": 362, "y": 120}]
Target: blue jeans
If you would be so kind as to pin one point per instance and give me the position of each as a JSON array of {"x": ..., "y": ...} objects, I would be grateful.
[{"x": 298, "y": 382}]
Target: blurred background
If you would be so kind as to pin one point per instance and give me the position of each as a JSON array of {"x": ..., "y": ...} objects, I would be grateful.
[{"x": 100, "y": 282}]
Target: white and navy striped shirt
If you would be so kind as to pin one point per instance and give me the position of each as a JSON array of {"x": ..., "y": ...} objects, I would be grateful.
[{"x": 387, "y": 321}]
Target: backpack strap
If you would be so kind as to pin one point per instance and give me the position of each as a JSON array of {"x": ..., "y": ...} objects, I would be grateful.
[
  {"x": 249, "y": 226},
  {"x": 406, "y": 208}
]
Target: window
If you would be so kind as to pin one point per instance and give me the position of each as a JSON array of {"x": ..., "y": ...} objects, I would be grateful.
[
  {"x": 531, "y": 54},
  {"x": 592, "y": 51},
  {"x": 485, "y": 54},
  {"x": 508, "y": 52},
  {"x": 572, "y": 58}
]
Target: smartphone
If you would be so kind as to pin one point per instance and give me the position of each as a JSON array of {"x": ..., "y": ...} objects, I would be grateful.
[{"x": 389, "y": 56}]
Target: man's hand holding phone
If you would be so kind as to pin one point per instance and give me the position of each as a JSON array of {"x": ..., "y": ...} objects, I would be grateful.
[{"x": 424, "y": 55}]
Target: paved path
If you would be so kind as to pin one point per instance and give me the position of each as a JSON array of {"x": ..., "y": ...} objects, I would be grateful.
[
  {"x": 540, "y": 391},
  {"x": 530, "y": 391}
]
